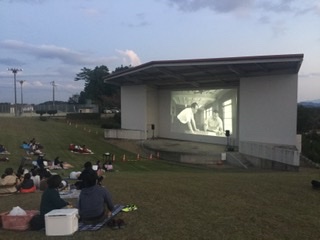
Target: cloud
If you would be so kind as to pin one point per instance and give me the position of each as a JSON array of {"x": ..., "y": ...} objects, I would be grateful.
[
  {"x": 279, "y": 28},
  {"x": 44, "y": 51},
  {"x": 37, "y": 84},
  {"x": 129, "y": 57},
  {"x": 11, "y": 62},
  {"x": 27, "y": 1},
  {"x": 279, "y": 6},
  {"x": 222, "y": 6},
  {"x": 236, "y": 6},
  {"x": 91, "y": 12},
  {"x": 138, "y": 21}
]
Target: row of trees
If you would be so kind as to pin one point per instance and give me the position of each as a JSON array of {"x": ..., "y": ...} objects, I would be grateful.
[
  {"x": 309, "y": 127},
  {"x": 95, "y": 89}
]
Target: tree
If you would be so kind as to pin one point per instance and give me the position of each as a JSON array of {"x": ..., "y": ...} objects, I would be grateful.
[
  {"x": 308, "y": 119},
  {"x": 96, "y": 89}
]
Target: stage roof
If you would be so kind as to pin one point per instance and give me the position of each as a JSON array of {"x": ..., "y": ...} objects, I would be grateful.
[{"x": 205, "y": 73}]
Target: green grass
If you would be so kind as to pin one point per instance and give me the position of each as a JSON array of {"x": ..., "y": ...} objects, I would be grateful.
[{"x": 174, "y": 201}]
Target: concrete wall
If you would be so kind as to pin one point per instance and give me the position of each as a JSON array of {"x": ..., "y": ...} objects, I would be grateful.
[
  {"x": 152, "y": 112},
  {"x": 268, "y": 109},
  {"x": 134, "y": 107}
]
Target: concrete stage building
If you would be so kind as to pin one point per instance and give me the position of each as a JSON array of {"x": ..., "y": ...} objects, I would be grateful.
[{"x": 255, "y": 98}]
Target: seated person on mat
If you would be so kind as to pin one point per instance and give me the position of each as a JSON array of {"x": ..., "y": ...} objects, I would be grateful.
[
  {"x": 50, "y": 200},
  {"x": 27, "y": 184},
  {"x": 9, "y": 181},
  {"x": 95, "y": 202},
  {"x": 87, "y": 170}
]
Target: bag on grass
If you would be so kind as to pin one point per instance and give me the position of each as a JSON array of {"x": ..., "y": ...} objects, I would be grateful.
[{"x": 17, "y": 211}]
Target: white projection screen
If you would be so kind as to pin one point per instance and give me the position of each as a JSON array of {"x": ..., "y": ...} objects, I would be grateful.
[{"x": 210, "y": 112}]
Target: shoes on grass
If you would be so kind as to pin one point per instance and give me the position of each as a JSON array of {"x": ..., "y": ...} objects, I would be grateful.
[
  {"x": 116, "y": 224},
  {"x": 121, "y": 224},
  {"x": 113, "y": 224},
  {"x": 129, "y": 208}
]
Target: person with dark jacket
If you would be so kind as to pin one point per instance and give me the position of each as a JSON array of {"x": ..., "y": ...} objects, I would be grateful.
[
  {"x": 88, "y": 170},
  {"x": 95, "y": 202},
  {"x": 50, "y": 200}
]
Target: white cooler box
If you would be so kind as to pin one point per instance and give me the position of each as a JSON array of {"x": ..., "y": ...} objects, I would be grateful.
[{"x": 61, "y": 222}]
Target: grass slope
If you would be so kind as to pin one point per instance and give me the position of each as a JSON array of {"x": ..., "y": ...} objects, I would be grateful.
[{"x": 174, "y": 202}]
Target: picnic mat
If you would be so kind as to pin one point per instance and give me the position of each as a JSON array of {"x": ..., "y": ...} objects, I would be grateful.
[{"x": 93, "y": 227}]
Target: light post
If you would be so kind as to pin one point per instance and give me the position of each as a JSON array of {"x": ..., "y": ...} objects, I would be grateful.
[
  {"x": 21, "y": 83},
  {"x": 53, "y": 86},
  {"x": 15, "y": 71}
]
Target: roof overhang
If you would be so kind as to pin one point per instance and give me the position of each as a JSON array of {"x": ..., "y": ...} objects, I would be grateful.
[{"x": 204, "y": 73}]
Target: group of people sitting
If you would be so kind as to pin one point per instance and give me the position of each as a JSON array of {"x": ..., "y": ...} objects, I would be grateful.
[
  {"x": 3, "y": 150},
  {"x": 41, "y": 161},
  {"x": 94, "y": 203},
  {"x": 79, "y": 149},
  {"x": 33, "y": 147},
  {"x": 24, "y": 180}
]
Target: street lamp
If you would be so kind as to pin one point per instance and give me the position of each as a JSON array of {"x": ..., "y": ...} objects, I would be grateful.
[
  {"x": 21, "y": 82},
  {"x": 15, "y": 71},
  {"x": 53, "y": 86}
]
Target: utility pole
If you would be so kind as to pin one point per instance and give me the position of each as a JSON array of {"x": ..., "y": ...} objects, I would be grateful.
[
  {"x": 53, "y": 86},
  {"x": 21, "y": 83},
  {"x": 15, "y": 71}
]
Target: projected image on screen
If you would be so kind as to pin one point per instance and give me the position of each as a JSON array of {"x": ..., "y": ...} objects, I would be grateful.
[{"x": 204, "y": 112}]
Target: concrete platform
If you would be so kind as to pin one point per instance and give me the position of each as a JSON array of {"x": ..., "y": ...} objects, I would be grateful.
[{"x": 185, "y": 151}]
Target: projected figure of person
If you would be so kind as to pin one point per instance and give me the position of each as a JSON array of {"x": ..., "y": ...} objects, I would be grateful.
[
  {"x": 214, "y": 124},
  {"x": 186, "y": 117}
]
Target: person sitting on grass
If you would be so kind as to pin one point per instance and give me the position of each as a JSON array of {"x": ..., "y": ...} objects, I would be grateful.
[
  {"x": 9, "y": 181},
  {"x": 27, "y": 184},
  {"x": 35, "y": 177},
  {"x": 50, "y": 200},
  {"x": 95, "y": 202},
  {"x": 3, "y": 150},
  {"x": 58, "y": 163},
  {"x": 88, "y": 170}
]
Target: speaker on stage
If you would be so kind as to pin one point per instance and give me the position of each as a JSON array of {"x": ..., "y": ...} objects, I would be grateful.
[
  {"x": 152, "y": 126},
  {"x": 227, "y": 133}
]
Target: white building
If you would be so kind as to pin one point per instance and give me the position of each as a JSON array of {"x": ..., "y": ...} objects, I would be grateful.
[{"x": 255, "y": 96}]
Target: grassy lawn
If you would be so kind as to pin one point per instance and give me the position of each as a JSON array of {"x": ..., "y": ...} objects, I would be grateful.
[{"x": 174, "y": 201}]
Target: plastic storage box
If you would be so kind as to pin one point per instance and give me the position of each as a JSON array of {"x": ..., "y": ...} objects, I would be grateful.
[
  {"x": 61, "y": 222},
  {"x": 19, "y": 222}
]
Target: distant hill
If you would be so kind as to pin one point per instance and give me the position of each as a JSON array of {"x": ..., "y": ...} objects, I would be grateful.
[{"x": 313, "y": 103}]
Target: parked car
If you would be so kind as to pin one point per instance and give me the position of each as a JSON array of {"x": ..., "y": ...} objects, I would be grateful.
[
  {"x": 107, "y": 111},
  {"x": 115, "y": 110}
]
